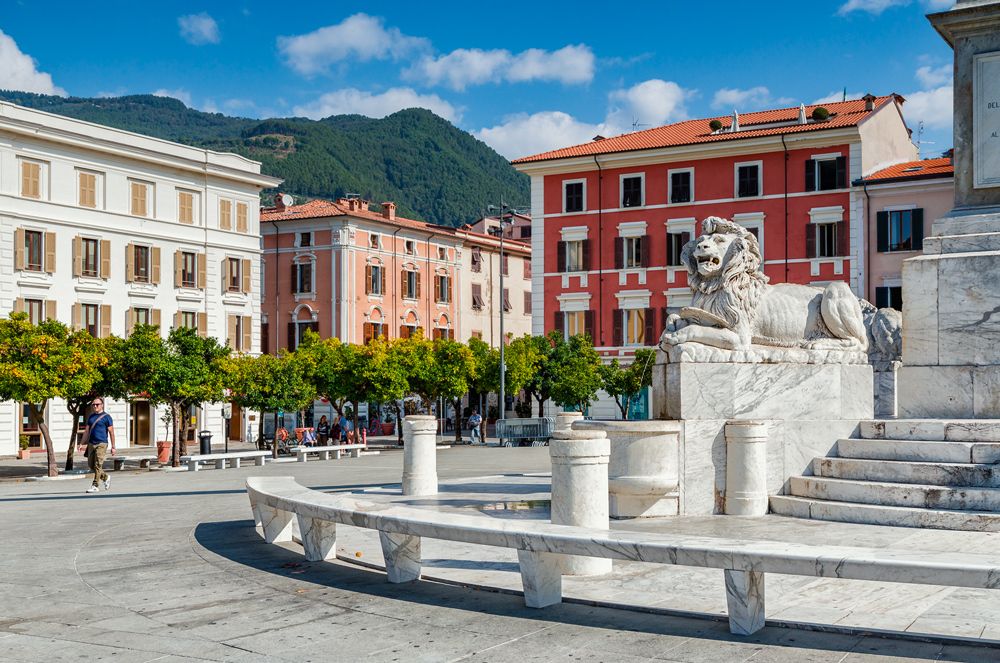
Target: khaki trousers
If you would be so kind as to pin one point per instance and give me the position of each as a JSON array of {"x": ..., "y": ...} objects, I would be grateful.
[{"x": 95, "y": 459}]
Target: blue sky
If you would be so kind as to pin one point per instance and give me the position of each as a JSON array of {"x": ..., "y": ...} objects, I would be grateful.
[{"x": 524, "y": 77}]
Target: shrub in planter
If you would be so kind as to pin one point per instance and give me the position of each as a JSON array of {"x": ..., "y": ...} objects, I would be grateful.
[
  {"x": 820, "y": 114},
  {"x": 24, "y": 441},
  {"x": 715, "y": 125}
]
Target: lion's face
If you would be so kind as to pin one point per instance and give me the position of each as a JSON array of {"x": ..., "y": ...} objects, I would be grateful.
[{"x": 710, "y": 253}]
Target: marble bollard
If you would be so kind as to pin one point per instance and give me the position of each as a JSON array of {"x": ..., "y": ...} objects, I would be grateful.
[
  {"x": 643, "y": 467},
  {"x": 420, "y": 455},
  {"x": 746, "y": 468},
  {"x": 565, "y": 420},
  {"x": 580, "y": 489}
]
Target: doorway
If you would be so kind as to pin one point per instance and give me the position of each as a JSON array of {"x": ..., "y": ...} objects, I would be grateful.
[
  {"x": 138, "y": 423},
  {"x": 234, "y": 426}
]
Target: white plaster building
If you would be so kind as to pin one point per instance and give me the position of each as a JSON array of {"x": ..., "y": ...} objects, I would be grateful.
[{"x": 102, "y": 228}]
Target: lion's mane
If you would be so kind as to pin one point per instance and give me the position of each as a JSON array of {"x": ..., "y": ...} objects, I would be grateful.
[{"x": 735, "y": 291}]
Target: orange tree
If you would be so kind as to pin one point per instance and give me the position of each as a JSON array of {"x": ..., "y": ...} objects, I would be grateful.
[
  {"x": 96, "y": 352},
  {"x": 440, "y": 369},
  {"x": 41, "y": 362}
]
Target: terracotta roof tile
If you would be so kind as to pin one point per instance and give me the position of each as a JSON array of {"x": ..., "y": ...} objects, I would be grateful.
[
  {"x": 842, "y": 114},
  {"x": 929, "y": 168}
]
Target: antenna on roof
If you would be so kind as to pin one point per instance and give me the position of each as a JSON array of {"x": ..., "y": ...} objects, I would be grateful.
[
  {"x": 635, "y": 123},
  {"x": 920, "y": 133}
]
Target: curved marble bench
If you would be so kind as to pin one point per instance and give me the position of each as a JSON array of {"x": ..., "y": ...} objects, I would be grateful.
[
  {"x": 194, "y": 461},
  {"x": 275, "y": 500},
  {"x": 302, "y": 452}
]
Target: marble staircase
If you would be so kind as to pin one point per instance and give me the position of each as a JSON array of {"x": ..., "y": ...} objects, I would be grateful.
[{"x": 936, "y": 473}]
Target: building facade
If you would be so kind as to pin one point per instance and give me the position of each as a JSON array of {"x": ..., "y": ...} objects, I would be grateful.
[
  {"x": 609, "y": 217},
  {"x": 105, "y": 229}
]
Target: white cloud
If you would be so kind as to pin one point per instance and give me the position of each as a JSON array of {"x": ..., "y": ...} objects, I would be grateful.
[
  {"x": 20, "y": 71},
  {"x": 522, "y": 134},
  {"x": 754, "y": 98},
  {"x": 653, "y": 102},
  {"x": 359, "y": 37},
  {"x": 351, "y": 100},
  {"x": 933, "y": 107},
  {"x": 179, "y": 93},
  {"x": 876, "y": 7},
  {"x": 930, "y": 78},
  {"x": 199, "y": 29},
  {"x": 837, "y": 96},
  {"x": 474, "y": 66}
]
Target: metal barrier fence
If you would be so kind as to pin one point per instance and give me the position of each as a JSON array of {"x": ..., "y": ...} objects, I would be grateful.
[{"x": 525, "y": 432}]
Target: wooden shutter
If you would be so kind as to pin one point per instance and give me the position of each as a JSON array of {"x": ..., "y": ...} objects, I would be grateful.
[
  {"x": 505, "y": 264},
  {"x": 449, "y": 289},
  {"x": 50, "y": 253},
  {"x": 810, "y": 174},
  {"x": 650, "y": 321},
  {"x": 619, "y": 252},
  {"x": 404, "y": 331},
  {"x": 77, "y": 315},
  {"x": 77, "y": 256},
  {"x": 30, "y": 180},
  {"x": 19, "y": 305},
  {"x": 685, "y": 238},
  {"x": 245, "y": 274},
  {"x": 417, "y": 279},
  {"x": 882, "y": 231},
  {"x": 314, "y": 326},
  {"x": 616, "y": 327},
  {"x": 241, "y": 217},
  {"x": 841, "y": 172},
  {"x": 50, "y": 309},
  {"x": 130, "y": 263},
  {"x": 139, "y": 199},
  {"x": 105, "y": 259},
  {"x": 437, "y": 288},
  {"x": 129, "y": 321},
  {"x": 291, "y": 335},
  {"x": 437, "y": 334},
  {"x": 177, "y": 320},
  {"x": 202, "y": 264},
  {"x": 247, "y": 329},
  {"x": 368, "y": 334},
  {"x": 105, "y": 320},
  {"x": 559, "y": 321},
  {"x": 673, "y": 255},
  {"x": 402, "y": 284},
  {"x": 265, "y": 338},
  {"x": 644, "y": 251},
  {"x": 881, "y": 297},
  {"x": 917, "y": 229},
  {"x": 154, "y": 259},
  {"x": 382, "y": 272},
  {"x": 368, "y": 279},
  {"x": 560, "y": 256},
  {"x": 154, "y": 316},
  {"x": 178, "y": 268},
  {"x": 231, "y": 331},
  {"x": 19, "y": 248},
  {"x": 185, "y": 207},
  {"x": 810, "y": 240},
  {"x": 588, "y": 325},
  {"x": 202, "y": 324},
  {"x": 585, "y": 254},
  {"x": 226, "y": 214},
  {"x": 527, "y": 268},
  {"x": 843, "y": 242}
]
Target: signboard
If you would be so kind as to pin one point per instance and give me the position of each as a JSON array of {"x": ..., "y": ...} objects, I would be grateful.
[{"x": 986, "y": 120}]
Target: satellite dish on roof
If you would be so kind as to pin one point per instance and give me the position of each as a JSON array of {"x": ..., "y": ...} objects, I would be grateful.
[{"x": 286, "y": 200}]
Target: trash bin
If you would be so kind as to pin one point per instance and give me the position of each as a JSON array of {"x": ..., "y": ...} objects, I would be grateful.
[{"x": 205, "y": 438}]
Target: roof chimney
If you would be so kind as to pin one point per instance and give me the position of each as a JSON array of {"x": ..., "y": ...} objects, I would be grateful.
[
  {"x": 736, "y": 121},
  {"x": 802, "y": 114},
  {"x": 389, "y": 210},
  {"x": 869, "y": 102},
  {"x": 279, "y": 202}
]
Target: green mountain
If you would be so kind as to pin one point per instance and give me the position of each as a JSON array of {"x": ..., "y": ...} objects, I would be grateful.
[{"x": 432, "y": 170}]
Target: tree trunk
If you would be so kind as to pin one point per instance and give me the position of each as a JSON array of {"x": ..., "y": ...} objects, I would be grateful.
[
  {"x": 184, "y": 421},
  {"x": 274, "y": 442},
  {"x": 623, "y": 408},
  {"x": 354, "y": 422},
  {"x": 175, "y": 449},
  {"x": 260, "y": 431},
  {"x": 399, "y": 423},
  {"x": 76, "y": 413},
  {"x": 50, "y": 451},
  {"x": 541, "y": 405},
  {"x": 457, "y": 403}
]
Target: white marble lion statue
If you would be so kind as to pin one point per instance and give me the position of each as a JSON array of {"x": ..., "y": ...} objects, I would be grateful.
[{"x": 734, "y": 307}]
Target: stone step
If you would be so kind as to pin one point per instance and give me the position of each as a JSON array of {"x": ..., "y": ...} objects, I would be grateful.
[
  {"x": 952, "y": 430},
  {"x": 937, "y": 451},
  {"x": 896, "y": 471},
  {"x": 871, "y": 514},
  {"x": 896, "y": 494}
]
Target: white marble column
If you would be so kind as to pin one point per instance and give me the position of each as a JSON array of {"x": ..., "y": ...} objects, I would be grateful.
[
  {"x": 420, "y": 455},
  {"x": 745, "y": 597},
  {"x": 541, "y": 578},
  {"x": 401, "y": 553},
  {"x": 277, "y": 524},
  {"x": 746, "y": 468},
  {"x": 565, "y": 420},
  {"x": 580, "y": 489},
  {"x": 319, "y": 538}
]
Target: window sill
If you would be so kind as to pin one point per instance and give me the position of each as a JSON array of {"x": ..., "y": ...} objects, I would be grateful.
[
  {"x": 190, "y": 294},
  {"x": 33, "y": 278},
  {"x": 899, "y": 251}
]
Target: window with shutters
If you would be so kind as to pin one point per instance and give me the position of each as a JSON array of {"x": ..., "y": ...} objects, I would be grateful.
[
  {"x": 378, "y": 329},
  {"x": 826, "y": 240},
  {"x": 635, "y": 326},
  {"x": 141, "y": 316},
  {"x": 305, "y": 239},
  {"x": 506, "y": 299},
  {"x": 89, "y": 318},
  {"x": 889, "y": 297},
  {"x": 527, "y": 268},
  {"x": 900, "y": 230},
  {"x": 574, "y": 196},
  {"x": 189, "y": 319},
  {"x": 241, "y": 218},
  {"x": 189, "y": 269},
  {"x": 632, "y": 190},
  {"x": 527, "y": 302},
  {"x": 442, "y": 253},
  {"x": 31, "y": 178},
  {"x": 505, "y": 265},
  {"x": 443, "y": 289},
  {"x": 34, "y": 308},
  {"x": 33, "y": 250},
  {"x": 373, "y": 240},
  {"x": 826, "y": 172},
  {"x": 633, "y": 251},
  {"x": 90, "y": 259},
  {"x": 377, "y": 276},
  {"x": 141, "y": 193},
  {"x": 185, "y": 207},
  {"x": 226, "y": 214},
  {"x": 574, "y": 322},
  {"x": 574, "y": 256},
  {"x": 233, "y": 280},
  {"x": 477, "y": 296},
  {"x": 410, "y": 280},
  {"x": 303, "y": 278},
  {"x": 477, "y": 259},
  {"x": 87, "y": 188},
  {"x": 748, "y": 179},
  {"x": 409, "y": 247},
  {"x": 681, "y": 183},
  {"x": 675, "y": 244},
  {"x": 141, "y": 273}
]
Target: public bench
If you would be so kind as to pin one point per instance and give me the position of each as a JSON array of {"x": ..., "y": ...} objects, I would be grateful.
[
  {"x": 194, "y": 461},
  {"x": 276, "y": 500},
  {"x": 324, "y": 452},
  {"x": 119, "y": 461}
]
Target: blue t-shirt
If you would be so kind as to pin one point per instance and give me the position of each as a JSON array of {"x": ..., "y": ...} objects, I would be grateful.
[{"x": 99, "y": 429}]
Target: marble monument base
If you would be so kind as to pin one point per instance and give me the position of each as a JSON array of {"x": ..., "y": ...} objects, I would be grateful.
[{"x": 807, "y": 408}]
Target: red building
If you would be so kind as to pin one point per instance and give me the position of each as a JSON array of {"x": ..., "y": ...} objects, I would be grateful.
[{"x": 609, "y": 216}]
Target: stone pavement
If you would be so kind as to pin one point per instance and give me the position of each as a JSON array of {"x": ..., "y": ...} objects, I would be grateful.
[{"x": 168, "y": 567}]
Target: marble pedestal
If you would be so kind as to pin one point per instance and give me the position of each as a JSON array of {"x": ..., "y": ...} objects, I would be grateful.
[
  {"x": 420, "y": 455},
  {"x": 580, "y": 490},
  {"x": 806, "y": 408}
]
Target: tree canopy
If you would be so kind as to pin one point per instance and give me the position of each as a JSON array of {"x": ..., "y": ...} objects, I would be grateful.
[{"x": 626, "y": 383}]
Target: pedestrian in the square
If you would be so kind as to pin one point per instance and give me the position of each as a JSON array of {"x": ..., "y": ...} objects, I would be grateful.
[
  {"x": 475, "y": 422},
  {"x": 308, "y": 438},
  {"x": 100, "y": 430},
  {"x": 323, "y": 431}
]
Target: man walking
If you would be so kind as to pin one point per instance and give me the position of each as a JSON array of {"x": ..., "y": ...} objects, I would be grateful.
[
  {"x": 475, "y": 423},
  {"x": 100, "y": 428}
]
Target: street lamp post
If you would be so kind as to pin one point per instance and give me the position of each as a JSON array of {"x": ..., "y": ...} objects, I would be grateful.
[{"x": 503, "y": 366}]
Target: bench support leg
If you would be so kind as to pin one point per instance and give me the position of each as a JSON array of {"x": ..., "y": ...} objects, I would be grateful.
[
  {"x": 220, "y": 464},
  {"x": 277, "y": 524},
  {"x": 336, "y": 454},
  {"x": 193, "y": 466},
  {"x": 402, "y": 556},
  {"x": 355, "y": 453},
  {"x": 745, "y": 596},
  {"x": 319, "y": 538},
  {"x": 324, "y": 455},
  {"x": 118, "y": 464},
  {"x": 256, "y": 512},
  {"x": 259, "y": 461},
  {"x": 541, "y": 578},
  {"x": 302, "y": 456},
  {"x": 144, "y": 464},
  {"x": 236, "y": 463}
]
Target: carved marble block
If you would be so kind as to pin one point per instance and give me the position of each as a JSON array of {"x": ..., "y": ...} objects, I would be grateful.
[{"x": 401, "y": 553}]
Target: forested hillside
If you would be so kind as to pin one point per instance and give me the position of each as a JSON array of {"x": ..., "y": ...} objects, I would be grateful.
[{"x": 432, "y": 170}]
